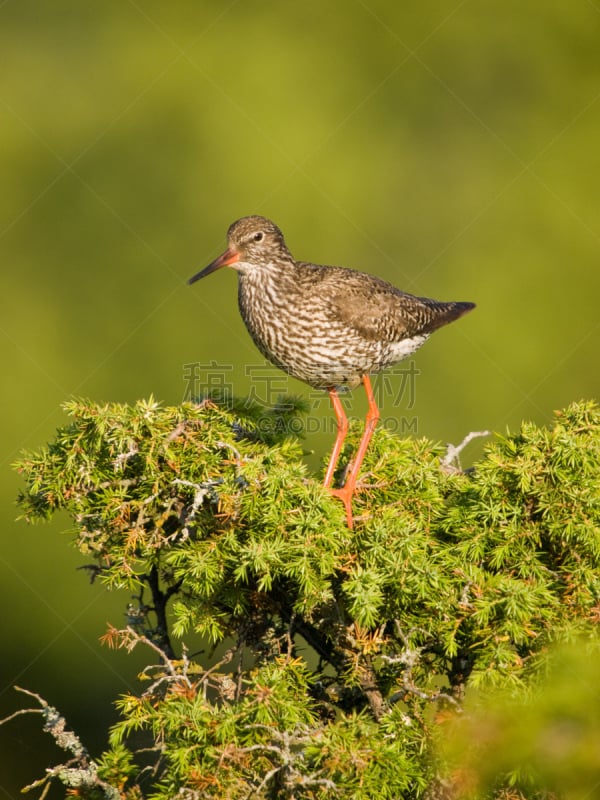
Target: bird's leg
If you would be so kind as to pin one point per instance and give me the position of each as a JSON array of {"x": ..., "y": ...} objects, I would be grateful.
[
  {"x": 346, "y": 492},
  {"x": 372, "y": 419},
  {"x": 342, "y": 430}
]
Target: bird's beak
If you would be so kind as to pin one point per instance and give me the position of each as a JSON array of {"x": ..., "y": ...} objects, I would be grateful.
[{"x": 230, "y": 256}]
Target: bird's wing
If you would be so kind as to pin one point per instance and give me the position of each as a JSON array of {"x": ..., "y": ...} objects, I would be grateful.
[{"x": 369, "y": 305}]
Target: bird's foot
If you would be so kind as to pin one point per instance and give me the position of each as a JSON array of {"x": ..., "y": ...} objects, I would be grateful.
[{"x": 345, "y": 495}]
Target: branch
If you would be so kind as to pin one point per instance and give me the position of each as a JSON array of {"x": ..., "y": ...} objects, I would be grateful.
[
  {"x": 287, "y": 748},
  {"x": 160, "y": 600},
  {"x": 80, "y": 774},
  {"x": 297, "y": 624},
  {"x": 370, "y": 687},
  {"x": 450, "y": 462}
]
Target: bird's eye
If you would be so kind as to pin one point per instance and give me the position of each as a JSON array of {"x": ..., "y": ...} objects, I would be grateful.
[{"x": 258, "y": 236}]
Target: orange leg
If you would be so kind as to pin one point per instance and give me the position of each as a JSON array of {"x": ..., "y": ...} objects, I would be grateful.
[
  {"x": 342, "y": 430},
  {"x": 346, "y": 492}
]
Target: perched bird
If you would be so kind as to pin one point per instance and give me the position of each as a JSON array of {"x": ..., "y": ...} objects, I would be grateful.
[{"x": 327, "y": 326}]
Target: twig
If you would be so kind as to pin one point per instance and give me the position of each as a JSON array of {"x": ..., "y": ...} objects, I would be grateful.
[
  {"x": 94, "y": 570},
  {"x": 234, "y": 450},
  {"x": 202, "y": 490},
  {"x": 284, "y": 746},
  {"x": 81, "y": 773},
  {"x": 409, "y": 657},
  {"x": 451, "y": 462}
]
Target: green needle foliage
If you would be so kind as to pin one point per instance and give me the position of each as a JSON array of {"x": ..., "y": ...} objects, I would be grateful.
[{"x": 343, "y": 654}]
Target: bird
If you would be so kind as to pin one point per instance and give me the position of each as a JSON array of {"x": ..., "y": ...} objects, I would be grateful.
[{"x": 331, "y": 327}]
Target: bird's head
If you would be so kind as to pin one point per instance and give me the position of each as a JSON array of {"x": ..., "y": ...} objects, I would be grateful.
[{"x": 252, "y": 242}]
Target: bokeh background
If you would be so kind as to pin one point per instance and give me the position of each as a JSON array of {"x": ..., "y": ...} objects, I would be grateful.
[{"x": 449, "y": 147}]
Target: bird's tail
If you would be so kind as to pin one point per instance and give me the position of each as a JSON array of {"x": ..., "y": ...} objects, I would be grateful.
[{"x": 445, "y": 312}]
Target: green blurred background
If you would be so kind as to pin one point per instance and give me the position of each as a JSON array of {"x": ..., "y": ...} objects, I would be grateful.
[{"x": 449, "y": 147}]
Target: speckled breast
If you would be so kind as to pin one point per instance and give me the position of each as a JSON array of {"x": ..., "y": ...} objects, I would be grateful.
[{"x": 303, "y": 339}]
